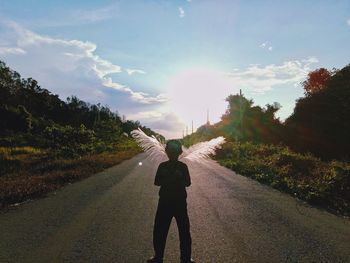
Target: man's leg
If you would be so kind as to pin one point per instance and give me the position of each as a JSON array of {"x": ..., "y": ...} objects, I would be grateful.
[
  {"x": 161, "y": 228},
  {"x": 183, "y": 224}
]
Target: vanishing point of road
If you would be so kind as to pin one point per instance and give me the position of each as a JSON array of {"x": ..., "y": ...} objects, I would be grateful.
[{"x": 109, "y": 217}]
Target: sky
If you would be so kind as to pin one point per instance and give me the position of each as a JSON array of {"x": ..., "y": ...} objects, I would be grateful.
[{"x": 166, "y": 63}]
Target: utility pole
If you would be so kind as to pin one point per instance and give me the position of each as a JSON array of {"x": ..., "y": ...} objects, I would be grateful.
[
  {"x": 192, "y": 127},
  {"x": 240, "y": 114},
  {"x": 208, "y": 123}
]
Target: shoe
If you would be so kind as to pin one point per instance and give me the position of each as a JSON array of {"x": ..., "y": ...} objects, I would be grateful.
[
  {"x": 190, "y": 261},
  {"x": 155, "y": 260}
]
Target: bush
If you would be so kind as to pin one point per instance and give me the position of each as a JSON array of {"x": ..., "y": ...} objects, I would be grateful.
[
  {"x": 69, "y": 141},
  {"x": 302, "y": 175},
  {"x": 15, "y": 118}
]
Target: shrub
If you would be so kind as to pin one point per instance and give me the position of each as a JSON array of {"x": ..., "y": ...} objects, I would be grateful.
[
  {"x": 302, "y": 175},
  {"x": 69, "y": 141}
]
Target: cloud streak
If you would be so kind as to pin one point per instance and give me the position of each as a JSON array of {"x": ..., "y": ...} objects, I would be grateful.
[
  {"x": 133, "y": 71},
  {"x": 260, "y": 79},
  {"x": 11, "y": 50}
]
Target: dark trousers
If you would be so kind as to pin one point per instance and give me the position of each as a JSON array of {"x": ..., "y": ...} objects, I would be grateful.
[{"x": 165, "y": 212}]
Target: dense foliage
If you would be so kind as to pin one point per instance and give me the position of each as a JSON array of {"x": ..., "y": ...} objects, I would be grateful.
[
  {"x": 32, "y": 116},
  {"x": 320, "y": 122},
  {"x": 316, "y": 81}
]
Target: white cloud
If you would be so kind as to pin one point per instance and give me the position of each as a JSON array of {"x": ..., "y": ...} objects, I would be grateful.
[
  {"x": 133, "y": 71},
  {"x": 65, "y": 67},
  {"x": 181, "y": 12},
  {"x": 11, "y": 50},
  {"x": 265, "y": 45},
  {"x": 348, "y": 22},
  {"x": 260, "y": 79},
  {"x": 140, "y": 97}
]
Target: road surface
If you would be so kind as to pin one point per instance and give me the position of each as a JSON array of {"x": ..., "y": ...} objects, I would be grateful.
[{"x": 109, "y": 218}]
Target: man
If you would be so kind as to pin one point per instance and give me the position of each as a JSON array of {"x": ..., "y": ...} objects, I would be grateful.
[{"x": 173, "y": 177}]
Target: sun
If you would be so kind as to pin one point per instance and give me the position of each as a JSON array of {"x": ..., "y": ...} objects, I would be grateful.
[{"x": 194, "y": 91}]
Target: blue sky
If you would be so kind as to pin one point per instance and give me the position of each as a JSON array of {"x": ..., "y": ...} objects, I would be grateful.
[{"x": 166, "y": 62}]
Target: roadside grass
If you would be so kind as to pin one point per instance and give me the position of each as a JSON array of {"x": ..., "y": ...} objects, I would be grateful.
[
  {"x": 325, "y": 184},
  {"x": 28, "y": 173}
]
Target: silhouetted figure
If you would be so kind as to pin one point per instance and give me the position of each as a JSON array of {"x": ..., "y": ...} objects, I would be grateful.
[{"x": 173, "y": 178}]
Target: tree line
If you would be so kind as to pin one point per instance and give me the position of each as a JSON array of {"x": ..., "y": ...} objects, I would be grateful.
[
  {"x": 32, "y": 115},
  {"x": 319, "y": 124}
]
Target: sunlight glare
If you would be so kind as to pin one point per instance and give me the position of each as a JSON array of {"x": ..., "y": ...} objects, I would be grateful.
[{"x": 193, "y": 91}]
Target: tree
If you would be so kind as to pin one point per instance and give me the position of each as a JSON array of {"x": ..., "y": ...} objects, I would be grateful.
[
  {"x": 246, "y": 122},
  {"x": 316, "y": 81},
  {"x": 26, "y": 108},
  {"x": 320, "y": 121}
]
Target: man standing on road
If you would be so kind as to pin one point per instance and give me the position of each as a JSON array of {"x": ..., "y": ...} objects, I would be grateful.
[{"x": 173, "y": 177}]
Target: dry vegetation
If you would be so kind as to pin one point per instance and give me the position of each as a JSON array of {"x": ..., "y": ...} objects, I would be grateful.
[{"x": 28, "y": 172}]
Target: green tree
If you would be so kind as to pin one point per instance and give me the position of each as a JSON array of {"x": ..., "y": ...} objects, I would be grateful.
[{"x": 246, "y": 122}]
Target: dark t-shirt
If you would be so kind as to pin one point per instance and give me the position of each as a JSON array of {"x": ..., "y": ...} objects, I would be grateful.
[{"x": 172, "y": 177}]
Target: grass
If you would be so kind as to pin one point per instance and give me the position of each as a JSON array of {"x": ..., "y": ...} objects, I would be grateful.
[
  {"x": 27, "y": 172},
  {"x": 325, "y": 184}
]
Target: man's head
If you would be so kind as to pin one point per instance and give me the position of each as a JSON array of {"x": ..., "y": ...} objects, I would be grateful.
[{"x": 173, "y": 149}]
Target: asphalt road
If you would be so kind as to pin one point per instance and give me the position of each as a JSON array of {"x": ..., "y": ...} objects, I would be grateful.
[{"x": 109, "y": 218}]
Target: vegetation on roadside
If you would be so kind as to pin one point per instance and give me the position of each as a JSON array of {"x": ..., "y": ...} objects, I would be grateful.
[
  {"x": 28, "y": 172},
  {"x": 46, "y": 142},
  {"x": 325, "y": 184}
]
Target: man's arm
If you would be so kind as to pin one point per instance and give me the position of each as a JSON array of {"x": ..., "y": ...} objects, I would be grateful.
[
  {"x": 157, "y": 179},
  {"x": 187, "y": 176}
]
